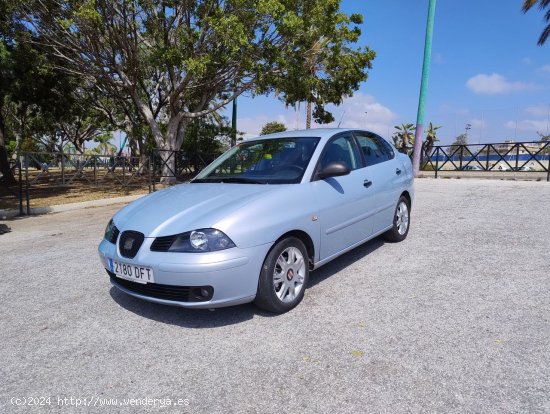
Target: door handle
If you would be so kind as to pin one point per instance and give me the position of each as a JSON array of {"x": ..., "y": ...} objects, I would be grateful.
[
  {"x": 367, "y": 183},
  {"x": 398, "y": 171}
]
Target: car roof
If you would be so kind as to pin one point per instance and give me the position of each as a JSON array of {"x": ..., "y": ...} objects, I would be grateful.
[{"x": 314, "y": 132}]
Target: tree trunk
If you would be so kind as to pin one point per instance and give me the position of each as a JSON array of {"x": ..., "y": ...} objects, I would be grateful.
[
  {"x": 7, "y": 175},
  {"x": 308, "y": 116},
  {"x": 167, "y": 151}
]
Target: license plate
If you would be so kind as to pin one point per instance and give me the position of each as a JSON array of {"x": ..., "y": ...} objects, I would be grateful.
[{"x": 139, "y": 274}]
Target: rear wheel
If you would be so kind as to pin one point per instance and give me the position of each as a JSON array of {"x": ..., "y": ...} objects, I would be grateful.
[
  {"x": 401, "y": 221},
  {"x": 284, "y": 276}
]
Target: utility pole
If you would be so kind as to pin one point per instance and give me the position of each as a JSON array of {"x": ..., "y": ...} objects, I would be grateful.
[
  {"x": 234, "y": 124},
  {"x": 423, "y": 88}
]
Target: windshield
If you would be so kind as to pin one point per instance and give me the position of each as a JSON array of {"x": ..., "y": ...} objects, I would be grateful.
[{"x": 269, "y": 161}]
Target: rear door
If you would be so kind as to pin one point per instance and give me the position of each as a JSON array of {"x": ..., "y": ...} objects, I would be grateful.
[{"x": 385, "y": 173}]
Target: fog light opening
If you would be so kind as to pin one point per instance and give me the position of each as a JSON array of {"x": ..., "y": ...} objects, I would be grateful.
[{"x": 203, "y": 293}]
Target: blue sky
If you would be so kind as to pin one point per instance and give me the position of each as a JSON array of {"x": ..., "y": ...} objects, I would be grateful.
[{"x": 487, "y": 70}]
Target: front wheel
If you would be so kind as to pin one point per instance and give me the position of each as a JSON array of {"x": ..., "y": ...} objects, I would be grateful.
[
  {"x": 284, "y": 276},
  {"x": 401, "y": 221}
]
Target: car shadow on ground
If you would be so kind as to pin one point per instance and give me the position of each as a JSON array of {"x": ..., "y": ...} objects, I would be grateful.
[
  {"x": 204, "y": 318},
  {"x": 340, "y": 263}
]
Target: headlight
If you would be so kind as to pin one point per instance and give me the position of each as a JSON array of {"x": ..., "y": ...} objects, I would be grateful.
[
  {"x": 201, "y": 240},
  {"x": 111, "y": 232}
]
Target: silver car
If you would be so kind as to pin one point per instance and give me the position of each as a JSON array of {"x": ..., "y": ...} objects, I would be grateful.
[{"x": 255, "y": 222}]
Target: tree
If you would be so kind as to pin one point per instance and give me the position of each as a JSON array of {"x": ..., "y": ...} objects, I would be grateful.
[
  {"x": 314, "y": 63},
  {"x": 104, "y": 147},
  {"x": 431, "y": 139},
  {"x": 177, "y": 61},
  {"x": 403, "y": 138},
  {"x": 40, "y": 107},
  {"x": 272, "y": 127},
  {"x": 5, "y": 80},
  {"x": 462, "y": 139},
  {"x": 543, "y": 4},
  {"x": 545, "y": 141}
]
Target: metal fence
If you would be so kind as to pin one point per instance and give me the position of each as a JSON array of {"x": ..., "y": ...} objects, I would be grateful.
[
  {"x": 521, "y": 157},
  {"x": 178, "y": 166},
  {"x": 47, "y": 175}
]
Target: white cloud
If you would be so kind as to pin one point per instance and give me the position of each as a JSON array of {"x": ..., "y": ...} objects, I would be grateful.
[
  {"x": 544, "y": 69},
  {"x": 538, "y": 110},
  {"x": 251, "y": 127},
  {"x": 362, "y": 111},
  {"x": 496, "y": 84},
  {"x": 478, "y": 123},
  {"x": 359, "y": 111},
  {"x": 527, "y": 125}
]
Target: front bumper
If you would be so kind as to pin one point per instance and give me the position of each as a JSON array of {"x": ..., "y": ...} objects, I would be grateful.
[{"x": 232, "y": 273}]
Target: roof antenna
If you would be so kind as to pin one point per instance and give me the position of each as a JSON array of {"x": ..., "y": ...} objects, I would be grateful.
[{"x": 342, "y": 117}]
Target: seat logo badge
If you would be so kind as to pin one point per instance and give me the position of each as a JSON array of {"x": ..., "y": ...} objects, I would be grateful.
[
  {"x": 128, "y": 244},
  {"x": 314, "y": 218}
]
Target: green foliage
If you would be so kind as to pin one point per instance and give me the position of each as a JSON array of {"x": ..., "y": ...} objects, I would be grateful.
[
  {"x": 205, "y": 137},
  {"x": 178, "y": 60},
  {"x": 543, "y": 4},
  {"x": 39, "y": 103},
  {"x": 272, "y": 127},
  {"x": 431, "y": 139},
  {"x": 544, "y": 139},
  {"x": 403, "y": 138},
  {"x": 431, "y": 133}
]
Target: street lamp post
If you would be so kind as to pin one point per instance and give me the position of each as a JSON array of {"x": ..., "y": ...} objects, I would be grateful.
[
  {"x": 234, "y": 123},
  {"x": 423, "y": 88}
]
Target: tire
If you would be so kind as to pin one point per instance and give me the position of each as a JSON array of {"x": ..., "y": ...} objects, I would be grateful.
[
  {"x": 401, "y": 221},
  {"x": 284, "y": 276}
]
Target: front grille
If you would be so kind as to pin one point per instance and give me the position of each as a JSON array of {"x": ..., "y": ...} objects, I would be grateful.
[
  {"x": 162, "y": 244},
  {"x": 129, "y": 243},
  {"x": 167, "y": 292}
]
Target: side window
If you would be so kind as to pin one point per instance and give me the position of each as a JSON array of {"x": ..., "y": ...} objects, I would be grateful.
[
  {"x": 389, "y": 148},
  {"x": 341, "y": 149},
  {"x": 373, "y": 149}
]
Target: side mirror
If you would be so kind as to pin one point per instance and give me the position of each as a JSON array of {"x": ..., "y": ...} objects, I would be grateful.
[{"x": 334, "y": 169}]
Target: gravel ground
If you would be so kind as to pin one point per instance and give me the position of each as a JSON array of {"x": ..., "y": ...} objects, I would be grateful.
[{"x": 454, "y": 319}]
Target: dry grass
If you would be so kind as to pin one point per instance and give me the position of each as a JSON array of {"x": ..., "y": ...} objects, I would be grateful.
[
  {"x": 73, "y": 185},
  {"x": 47, "y": 191}
]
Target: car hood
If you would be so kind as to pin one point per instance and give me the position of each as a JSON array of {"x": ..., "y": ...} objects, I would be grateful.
[{"x": 187, "y": 207}]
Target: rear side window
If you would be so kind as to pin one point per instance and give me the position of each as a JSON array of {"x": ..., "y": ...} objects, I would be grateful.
[
  {"x": 375, "y": 150},
  {"x": 389, "y": 148}
]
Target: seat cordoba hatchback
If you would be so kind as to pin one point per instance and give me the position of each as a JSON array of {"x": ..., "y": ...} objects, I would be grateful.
[{"x": 255, "y": 222}]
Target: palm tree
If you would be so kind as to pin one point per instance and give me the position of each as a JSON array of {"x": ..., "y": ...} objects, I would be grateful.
[
  {"x": 543, "y": 4},
  {"x": 431, "y": 138},
  {"x": 403, "y": 138}
]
